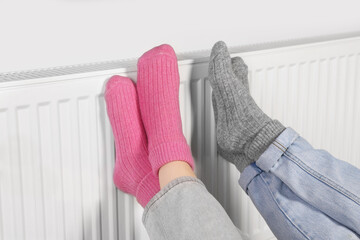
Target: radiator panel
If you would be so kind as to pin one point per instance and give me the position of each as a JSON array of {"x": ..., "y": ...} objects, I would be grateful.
[{"x": 57, "y": 152}]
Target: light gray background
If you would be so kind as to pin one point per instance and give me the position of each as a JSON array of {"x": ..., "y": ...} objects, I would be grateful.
[{"x": 47, "y": 33}]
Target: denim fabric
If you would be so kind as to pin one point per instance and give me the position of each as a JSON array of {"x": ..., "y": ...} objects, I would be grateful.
[
  {"x": 185, "y": 210},
  {"x": 304, "y": 193}
]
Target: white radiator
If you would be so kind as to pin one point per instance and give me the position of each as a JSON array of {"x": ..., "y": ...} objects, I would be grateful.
[{"x": 56, "y": 144}]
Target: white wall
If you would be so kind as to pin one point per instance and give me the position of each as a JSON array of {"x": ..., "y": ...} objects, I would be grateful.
[{"x": 46, "y": 33}]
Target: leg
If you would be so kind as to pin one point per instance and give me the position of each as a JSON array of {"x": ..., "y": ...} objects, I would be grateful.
[
  {"x": 328, "y": 184},
  {"x": 288, "y": 216},
  {"x": 174, "y": 170},
  {"x": 245, "y": 133},
  {"x": 132, "y": 172},
  {"x": 183, "y": 209}
]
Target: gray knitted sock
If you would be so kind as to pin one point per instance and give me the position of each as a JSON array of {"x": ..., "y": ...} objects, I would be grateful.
[
  {"x": 237, "y": 158},
  {"x": 243, "y": 130}
]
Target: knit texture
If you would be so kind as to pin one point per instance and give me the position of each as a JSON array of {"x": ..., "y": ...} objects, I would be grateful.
[
  {"x": 158, "y": 89},
  {"x": 244, "y": 131},
  {"x": 132, "y": 172},
  {"x": 236, "y": 157}
]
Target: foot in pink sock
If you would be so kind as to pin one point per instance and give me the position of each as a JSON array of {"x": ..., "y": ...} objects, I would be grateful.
[
  {"x": 132, "y": 172},
  {"x": 158, "y": 89}
]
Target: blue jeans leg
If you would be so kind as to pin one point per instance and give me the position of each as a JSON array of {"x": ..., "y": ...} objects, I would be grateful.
[
  {"x": 326, "y": 183},
  {"x": 288, "y": 216}
]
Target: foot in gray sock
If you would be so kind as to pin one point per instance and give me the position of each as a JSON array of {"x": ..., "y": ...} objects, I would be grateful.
[
  {"x": 241, "y": 71},
  {"x": 243, "y": 130}
]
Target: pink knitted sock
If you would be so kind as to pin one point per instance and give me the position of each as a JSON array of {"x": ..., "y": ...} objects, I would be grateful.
[
  {"x": 132, "y": 172},
  {"x": 158, "y": 89}
]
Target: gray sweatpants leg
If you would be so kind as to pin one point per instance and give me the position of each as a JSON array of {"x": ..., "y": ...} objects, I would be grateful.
[{"x": 185, "y": 210}]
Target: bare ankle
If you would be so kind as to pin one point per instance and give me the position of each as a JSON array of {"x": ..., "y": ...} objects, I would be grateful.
[{"x": 173, "y": 170}]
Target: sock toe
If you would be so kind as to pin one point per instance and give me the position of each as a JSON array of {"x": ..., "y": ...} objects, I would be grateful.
[
  {"x": 237, "y": 61},
  {"x": 164, "y": 49},
  {"x": 115, "y": 81},
  {"x": 218, "y": 48},
  {"x": 239, "y": 66},
  {"x": 220, "y": 54},
  {"x": 220, "y": 62}
]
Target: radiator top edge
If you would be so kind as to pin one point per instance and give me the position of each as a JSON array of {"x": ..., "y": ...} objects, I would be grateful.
[{"x": 191, "y": 57}]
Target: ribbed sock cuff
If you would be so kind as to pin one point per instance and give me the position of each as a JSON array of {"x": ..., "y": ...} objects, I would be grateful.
[
  {"x": 147, "y": 189},
  {"x": 263, "y": 139},
  {"x": 168, "y": 152}
]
